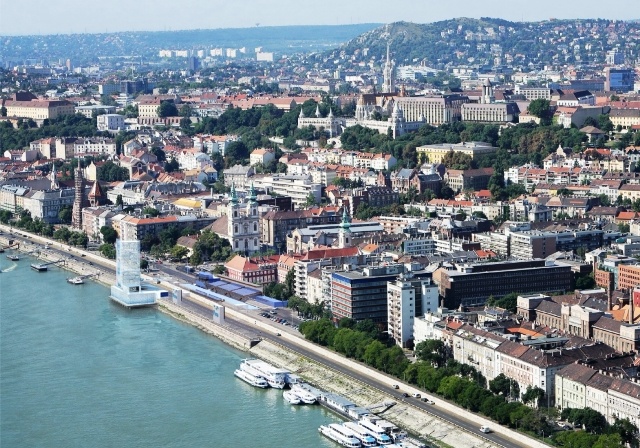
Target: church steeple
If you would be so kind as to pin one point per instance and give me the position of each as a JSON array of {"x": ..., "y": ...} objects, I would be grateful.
[
  {"x": 318, "y": 115},
  {"x": 54, "y": 177},
  {"x": 344, "y": 235},
  {"x": 252, "y": 194},
  {"x": 234, "y": 196},
  {"x": 388, "y": 73}
]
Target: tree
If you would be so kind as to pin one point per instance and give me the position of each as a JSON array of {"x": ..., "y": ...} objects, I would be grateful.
[
  {"x": 432, "y": 351},
  {"x": 151, "y": 211},
  {"x": 144, "y": 264},
  {"x": 167, "y": 109},
  {"x": 179, "y": 252},
  {"x": 3, "y": 111},
  {"x": 65, "y": 214},
  {"x": 109, "y": 234},
  {"x": 234, "y": 153},
  {"x": 540, "y": 108},
  {"x": 311, "y": 200},
  {"x": 108, "y": 250},
  {"x": 502, "y": 385},
  {"x": 186, "y": 111},
  {"x": 533, "y": 395},
  {"x": 627, "y": 431},
  {"x": 457, "y": 160},
  {"x": 508, "y": 302},
  {"x": 172, "y": 166}
]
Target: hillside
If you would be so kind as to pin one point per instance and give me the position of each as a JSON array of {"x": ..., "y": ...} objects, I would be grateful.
[
  {"x": 86, "y": 47},
  {"x": 480, "y": 41}
]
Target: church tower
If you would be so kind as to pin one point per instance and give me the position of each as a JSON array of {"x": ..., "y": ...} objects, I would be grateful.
[
  {"x": 344, "y": 235},
  {"x": 487, "y": 93},
  {"x": 54, "y": 177},
  {"x": 233, "y": 218},
  {"x": 79, "y": 201},
  {"x": 389, "y": 75}
]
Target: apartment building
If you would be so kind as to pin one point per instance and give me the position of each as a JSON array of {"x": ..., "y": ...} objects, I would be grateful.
[
  {"x": 580, "y": 386},
  {"x": 472, "y": 284},
  {"x": 408, "y": 298},
  {"x": 362, "y": 293},
  {"x": 475, "y": 179}
]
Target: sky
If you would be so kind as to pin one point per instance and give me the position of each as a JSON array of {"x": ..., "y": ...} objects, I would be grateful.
[{"x": 20, "y": 17}]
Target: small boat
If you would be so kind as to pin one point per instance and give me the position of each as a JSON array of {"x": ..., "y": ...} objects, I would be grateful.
[
  {"x": 75, "y": 280},
  {"x": 256, "y": 381},
  {"x": 291, "y": 397},
  {"x": 13, "y": 257},
  {"x": 305, "y": 396}
]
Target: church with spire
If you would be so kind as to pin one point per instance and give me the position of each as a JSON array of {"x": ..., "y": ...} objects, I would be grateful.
[{"x": 243, "y": 223}]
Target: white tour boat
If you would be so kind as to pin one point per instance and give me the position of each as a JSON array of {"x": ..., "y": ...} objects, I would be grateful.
[
  {"x": 361, "y": 433},
  {"x": 340, "y": 435},
  {"x": 274, "y": 376},
  {"x": 291, "y": 397},
  {"x": 305, "y": 396},
  {"x": 254, "y": 380}
]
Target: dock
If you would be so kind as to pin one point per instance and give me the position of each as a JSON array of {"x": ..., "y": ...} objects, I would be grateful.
[{"x": 43, "y": 267}]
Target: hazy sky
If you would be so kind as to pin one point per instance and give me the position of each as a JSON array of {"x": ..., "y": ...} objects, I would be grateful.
[{"x": 79, "y": 16}]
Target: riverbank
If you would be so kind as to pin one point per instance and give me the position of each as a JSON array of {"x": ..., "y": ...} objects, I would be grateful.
[{"x": 435, "y": 430}]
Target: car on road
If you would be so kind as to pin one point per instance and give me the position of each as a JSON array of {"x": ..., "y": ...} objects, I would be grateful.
[
  {"x": 395, "y": 386},
  {"x": 485, "y": 429},
  {"x": 405, "y": 395},
  {"x": 416, "y": 395},
  {"x": 426, "y": 400},
  {"x": 278, "y": 334}
]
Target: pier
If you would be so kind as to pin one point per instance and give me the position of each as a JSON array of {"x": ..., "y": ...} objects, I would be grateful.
[
  {"x": 11, "y": 245},
  {"x": 42, "y": 267}
]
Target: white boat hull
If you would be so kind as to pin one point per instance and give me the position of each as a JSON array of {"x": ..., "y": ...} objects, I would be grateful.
[{"x": 251, "y": 379}]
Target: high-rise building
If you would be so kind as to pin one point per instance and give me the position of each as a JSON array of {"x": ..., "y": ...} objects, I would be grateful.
[{"x": 619, "y": 79}]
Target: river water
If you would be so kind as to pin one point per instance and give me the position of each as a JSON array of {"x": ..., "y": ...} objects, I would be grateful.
[{"x": 77, "y": 370}]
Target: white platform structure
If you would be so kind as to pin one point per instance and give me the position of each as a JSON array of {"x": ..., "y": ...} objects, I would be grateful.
[{"x": 129, "y": 290}]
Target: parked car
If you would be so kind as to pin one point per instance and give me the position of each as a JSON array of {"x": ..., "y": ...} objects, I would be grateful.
[{"x": 395, "y": 386}]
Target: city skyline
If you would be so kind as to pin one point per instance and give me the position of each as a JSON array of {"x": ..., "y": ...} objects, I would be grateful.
[{"x": 73, "y": 16}]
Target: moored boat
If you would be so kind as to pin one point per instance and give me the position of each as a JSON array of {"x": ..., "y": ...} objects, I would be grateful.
[
  {"x": 75, "y": 280},
  {"x": 338, "y": 434},
  {"x": 254, "y": 380},
  {"x": 305, "y": 396},
  {"x": 362, "y": 434},
  {"x": 291, "y": 397},
  {"x": 275, "y": 377},
  {"x": 13, "y": 257}
]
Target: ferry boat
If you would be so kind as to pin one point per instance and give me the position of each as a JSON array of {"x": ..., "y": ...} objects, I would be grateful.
[
  {"x": 13, "y": 257},
  {"x": 255, "y": 381},
  {"x": 291, "y": 397},
  {"x": 338, "y": 434},
  {"x": 75, "y": 280},
  {"x": 361, "y": 433},
  {"x": 382, "y": 438},
  {"x": 305, "y": 396},
  {"x": 275, "y": 377}
]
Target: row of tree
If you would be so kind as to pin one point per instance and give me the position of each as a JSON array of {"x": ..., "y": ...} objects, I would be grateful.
[{"x": 436, "y": 373}]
